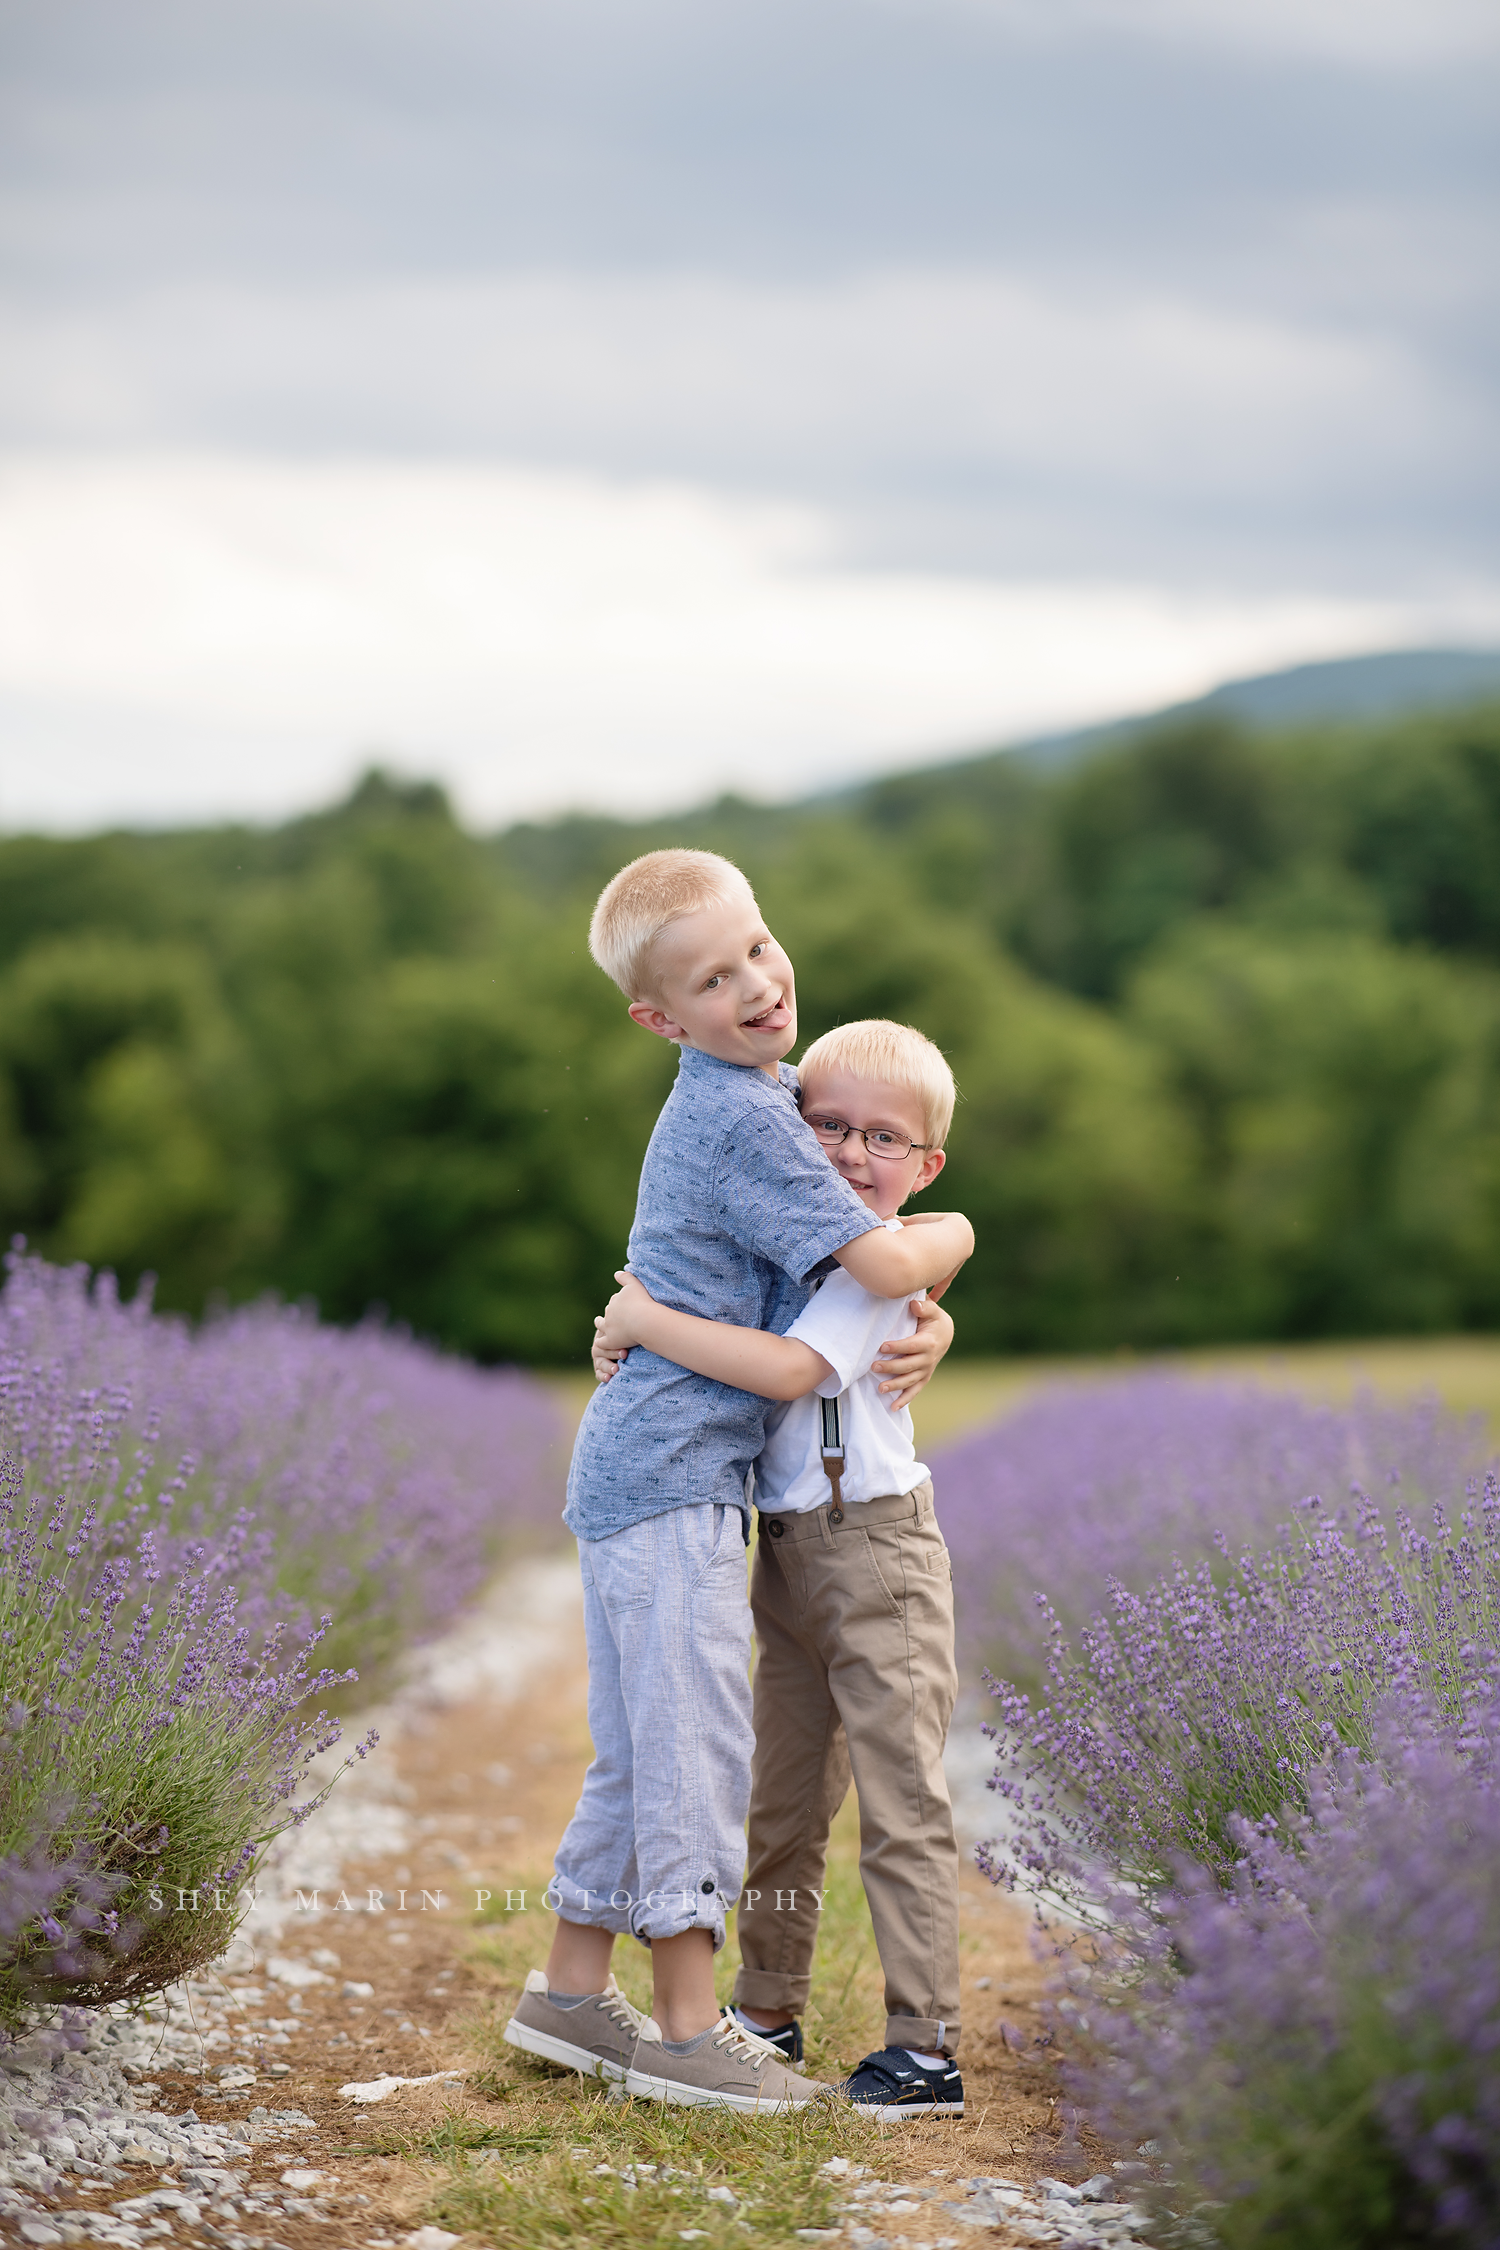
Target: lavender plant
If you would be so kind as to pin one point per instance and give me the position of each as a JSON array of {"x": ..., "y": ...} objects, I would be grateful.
[
  {"x": 1206, "y": 1701},
  {"x": 1106, "y": 1482},
  {"x": 1316, "y": 2043},
  {"x": 351, "y": 1472},
  {"x": 1262, "y": 1769},
  {"x": 148, "y": 1754},
  {"x": 191, "y": 1525}
]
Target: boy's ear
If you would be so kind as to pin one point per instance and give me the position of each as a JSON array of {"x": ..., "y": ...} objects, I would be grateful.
[
  {"x": 650, "y": 1017},
  {"x": 932, "y": 1164}
]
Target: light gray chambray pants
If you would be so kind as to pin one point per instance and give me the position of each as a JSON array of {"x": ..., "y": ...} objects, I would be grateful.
[{"x": 657, "y": 1844}]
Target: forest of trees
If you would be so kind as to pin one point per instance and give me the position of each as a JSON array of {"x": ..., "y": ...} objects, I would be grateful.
[{"x": 1224, "y": 1010}]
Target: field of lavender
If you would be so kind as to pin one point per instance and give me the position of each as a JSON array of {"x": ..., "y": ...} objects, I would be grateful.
[
  {"x": 1247, "y": 1652},
  {"x": 208, "y": 1533}
]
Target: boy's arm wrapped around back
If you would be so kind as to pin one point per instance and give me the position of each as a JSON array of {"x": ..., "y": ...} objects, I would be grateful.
[
  {"x": 778, "y": 1367},
  {"x": 747, "y": 1359},
  {"x": 926, "y": 1254}
]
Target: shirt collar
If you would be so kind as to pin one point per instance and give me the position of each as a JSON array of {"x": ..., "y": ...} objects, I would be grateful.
[{"x": 693, "y": 1060}]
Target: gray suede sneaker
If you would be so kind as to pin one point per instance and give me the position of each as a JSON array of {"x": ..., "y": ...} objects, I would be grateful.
[
  {"x": 596, "y": 2035},
  {"x": 726, "y": 2067}
]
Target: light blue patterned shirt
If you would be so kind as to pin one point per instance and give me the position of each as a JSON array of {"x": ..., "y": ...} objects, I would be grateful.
[{"x": 738, "y": 1212}]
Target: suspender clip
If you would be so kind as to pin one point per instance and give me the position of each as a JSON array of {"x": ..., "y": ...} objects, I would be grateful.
[{"x": 833, "y": 1454}]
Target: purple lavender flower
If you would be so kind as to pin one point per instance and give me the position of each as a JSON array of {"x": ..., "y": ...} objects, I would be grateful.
[
  {"x": 1211, "y": 1699},
  {"x": 1318, "y": 2045},
  {"x": 198, "y": 1531},
  {"x": 1262, "y": 1763},
  {"x": 1092, "y": 1484},
  {"x": 317, "y": 1468}
]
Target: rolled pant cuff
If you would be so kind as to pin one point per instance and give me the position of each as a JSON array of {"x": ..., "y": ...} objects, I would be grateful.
[
  {"x": 595, "y": 1910},
  {"x": 928, "y": 2034},
  {"x": 759, "y": 1988},
  {"x": 655, "y": 1914},
  {"x": 666, "y": 1914}
]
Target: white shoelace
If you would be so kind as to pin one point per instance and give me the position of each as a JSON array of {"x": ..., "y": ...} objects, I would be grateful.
[
  {"x": 619, "y": 2010},
  {"x": 742, "y": 2046}
]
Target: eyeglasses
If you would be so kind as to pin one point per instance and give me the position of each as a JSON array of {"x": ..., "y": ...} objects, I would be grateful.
[{"x": 895, "y": 1147}]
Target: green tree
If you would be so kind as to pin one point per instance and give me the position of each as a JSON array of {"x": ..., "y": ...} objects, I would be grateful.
[
  {"x": 1182, "y": 819},
  {"x": 1344, "y": 1097},
  {"x": 1220, "y": 1007},
  {"x": 134, "y": 1128}
]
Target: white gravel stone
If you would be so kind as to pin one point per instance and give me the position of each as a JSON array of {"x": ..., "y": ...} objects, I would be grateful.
[
  {"x": 377, "y": 2089},
  {"x": 297, "y": 1976}
]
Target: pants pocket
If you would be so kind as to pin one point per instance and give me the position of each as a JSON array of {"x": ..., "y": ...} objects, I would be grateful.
[
  {"x": 887, "y": 1567},
  {"x": 903, "y": 1555},
  {"x": 623, "y": 1567},
  {"x": 724, "y": 1561}
]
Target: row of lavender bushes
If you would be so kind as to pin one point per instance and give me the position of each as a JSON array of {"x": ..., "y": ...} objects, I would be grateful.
[
  {"x": 1246, "y": 1738},
  {"x": 206, "y": 1536}
]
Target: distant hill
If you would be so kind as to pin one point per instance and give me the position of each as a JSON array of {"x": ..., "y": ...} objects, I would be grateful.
[{"x": 1349, "y": 687}]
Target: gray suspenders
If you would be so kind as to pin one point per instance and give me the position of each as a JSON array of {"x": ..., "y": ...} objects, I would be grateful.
[{"x": 833, "y": 1454}]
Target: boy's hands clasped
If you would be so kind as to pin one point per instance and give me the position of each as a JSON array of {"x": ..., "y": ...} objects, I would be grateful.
[{"x": 614, "y": 1331}]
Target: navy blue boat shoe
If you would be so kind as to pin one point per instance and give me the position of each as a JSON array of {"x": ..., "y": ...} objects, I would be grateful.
[
  {"x": 787, "y": 2041},
  {"x": 890, "y": 2085}
]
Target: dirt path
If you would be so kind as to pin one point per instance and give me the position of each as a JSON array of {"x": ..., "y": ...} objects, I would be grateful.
[
  {"x": 487, "y": 1786},
  {"x": 403, "y": 1966}
]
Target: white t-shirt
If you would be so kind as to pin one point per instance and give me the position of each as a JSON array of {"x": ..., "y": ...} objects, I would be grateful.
[{"x": 847, "y": 1326}]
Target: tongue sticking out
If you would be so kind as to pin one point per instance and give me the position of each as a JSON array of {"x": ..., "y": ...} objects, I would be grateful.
[{"x": 770, "y": 1019}]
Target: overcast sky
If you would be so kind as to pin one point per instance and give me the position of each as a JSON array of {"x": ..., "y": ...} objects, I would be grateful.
[{"x": 612, "y": 400}]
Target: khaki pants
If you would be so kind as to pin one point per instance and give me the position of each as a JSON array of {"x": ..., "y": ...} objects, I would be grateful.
[{"x": 855, "y": 1672}]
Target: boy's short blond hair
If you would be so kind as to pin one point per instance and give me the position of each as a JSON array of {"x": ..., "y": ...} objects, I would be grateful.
[
  {"x": 644, "y": 899},
  {"x": 899, "y": 1055}
]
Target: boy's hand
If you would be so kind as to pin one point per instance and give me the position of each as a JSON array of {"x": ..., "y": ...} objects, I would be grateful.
[
  {"x": 605, "y": 1362},
  {"x": 910, "y": 1362},
  {"x": 618, "y": 1330}
]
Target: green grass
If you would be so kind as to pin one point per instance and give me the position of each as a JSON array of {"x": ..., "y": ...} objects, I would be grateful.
[
  {"x": 522, "y": 2169},
  {"x": 551, "y": 2185}
]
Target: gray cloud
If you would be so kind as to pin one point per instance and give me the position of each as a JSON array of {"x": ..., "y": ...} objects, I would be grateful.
[
  {"x": 943, "y": 417},
  {"x": 1108, "y": 287},
  {"x": 788, "y": 135}
]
